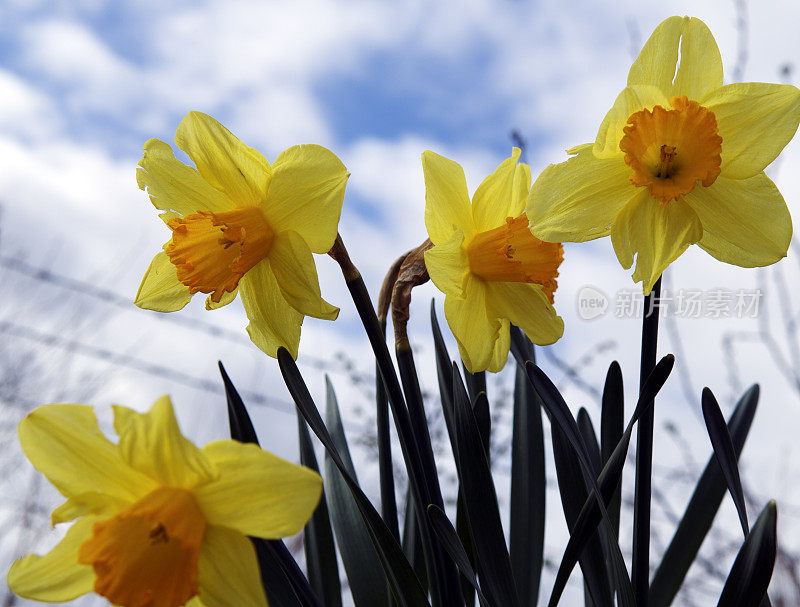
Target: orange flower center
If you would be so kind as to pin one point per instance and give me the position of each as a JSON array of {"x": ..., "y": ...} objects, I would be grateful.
[
  {"x": 146, "y": 556},
  {"x": 510, "y": 253},
  {"x": 212, "y": 251},
  {"x": 671, "y": 150}
]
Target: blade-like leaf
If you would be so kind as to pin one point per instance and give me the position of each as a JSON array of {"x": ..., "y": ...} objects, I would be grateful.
[
  {"x": 700, "y": 511},
  {"x": 405, "y": 586},
  {"x": 480, "y": 407},
  {"x": 528, "y": 488},
  {"x": 238, "y": 418},
  {"x": 442, "y": 574},
  {"x": 449, "y": 539},
  {"x": 284, "y": 583},
  {"x": 321, "y": 561},
  {"x": 367, "y": 581},
  {"x": 412, "y": 542},
  {"x": 612, "y": 423},
  {"x": 444, "y": 365},
  {"x": 572, "y": 486},
  {"x": 749, "y": 578},
  {"x": 725, "y": 453},
  {"x": 586, "y": 428},
  {"x": 475, "y": 382},
  {"x": 480, "y": 498},
  {"x": 595, "y": 511}
]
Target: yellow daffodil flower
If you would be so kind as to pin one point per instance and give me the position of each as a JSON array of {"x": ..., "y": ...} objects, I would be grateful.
[
  {"x": 241, "y": 224},
  {"x": 161, "y": 523},
  {"x": 678, "y": 160},
  {"x": 486, "y": 262}
]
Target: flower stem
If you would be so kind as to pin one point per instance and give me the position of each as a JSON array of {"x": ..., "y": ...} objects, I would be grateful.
[
  {"x": 441, "y": 571},
  {"x": 640, "y": 570}
]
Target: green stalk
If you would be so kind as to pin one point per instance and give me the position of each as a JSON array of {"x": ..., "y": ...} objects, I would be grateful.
[
  {"x": 640, "y": 568},
  {"x": 441, "y": 571}
]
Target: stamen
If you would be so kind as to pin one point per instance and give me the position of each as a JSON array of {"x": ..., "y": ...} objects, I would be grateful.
[
  {"x": 669, "y": 151},
  {"x": 147, "y": 555},
  {"x": 212, "y": 251},
  {"x": 510, "y": 253}
]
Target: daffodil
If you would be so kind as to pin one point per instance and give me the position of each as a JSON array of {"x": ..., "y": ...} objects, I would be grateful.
[
  {"x": 241, "y": 224},
  {"x": 678, "y": 160},
  {"x": 491, "y": 269},
  {"x": 161, "y": 523}
]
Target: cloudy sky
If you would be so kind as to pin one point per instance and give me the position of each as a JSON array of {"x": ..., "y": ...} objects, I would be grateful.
[{"x": 84, "y": 84}]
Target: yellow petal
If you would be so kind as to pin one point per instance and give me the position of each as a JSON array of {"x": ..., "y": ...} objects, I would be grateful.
[
  {"x": 294, "y": 268},
  {"x": 160, "y": 289},
  {"x": 700, "y": 69},
  {"x": 153, "y": 444},
  {"x": 227, "y": 297},
  {"x": 755, "y": 120},
  {"x": 257, "y": 493},
  {"x": 273, "y": 322},
  {"x": 448, "y": 266},
  {"x": 64, "y": 443},
  {"x": 657, "y": 234},
  {"x": 91, "y": 503},
  {"x": 475, "y": 328},
  {"x": 632, "y": 99},
  {"x": 498, "y": 196},
  {"x": 745, "y": 221},
  {"x": 577, "y": 200},
  {"x": 527, "y": 306},
  {"x": 228, "y": 570},
  {"x": 447, "y": 207},
  {"x": 229, "y": 165},
  {"x": 56, "y": 576},
  {"x": 173, "y": 186},
  {"x": 306, "y": 195},
  {"x": 501, "y": 347}
]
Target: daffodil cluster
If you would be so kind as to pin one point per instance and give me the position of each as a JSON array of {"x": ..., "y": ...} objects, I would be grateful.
[{"x": 157, "y": 522}]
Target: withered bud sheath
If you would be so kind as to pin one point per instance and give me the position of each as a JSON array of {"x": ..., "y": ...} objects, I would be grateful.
[
  {"x": 412, "y": 273},
  {"x": 385, "y": 295}
]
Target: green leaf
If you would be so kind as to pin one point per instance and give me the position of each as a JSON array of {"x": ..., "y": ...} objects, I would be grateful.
[
  {"x": 412, "y": 541},
  {"x": 480, "y": 407},
  {"x": 367, "y": 581},
  {"x": 701, "y": 510},
  {"x": 726, "y": 455},
  {"x": 586, "y": 429},
  {"x": 749, "y": 578},
  {"x": 321, "y": 561},
  {"x": 403, "y": 581},
  {"x": 444, "y": 365},
  {"x": 480, "y": 498},
  {"x": 442, "y": 573},
  {"x": 594, "y": 510},
  {"x": 449, "y": 539},
  {"x": 572, "y": 487},
  {"x": 283, "y": 582},
  {"x": 476, "y": 382},
  {"x": 612, "y": 422},
  {"x": 446, "y": 575},
  {"x": 528, "y": 487},
  {"x": 444, "y": 373}
]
